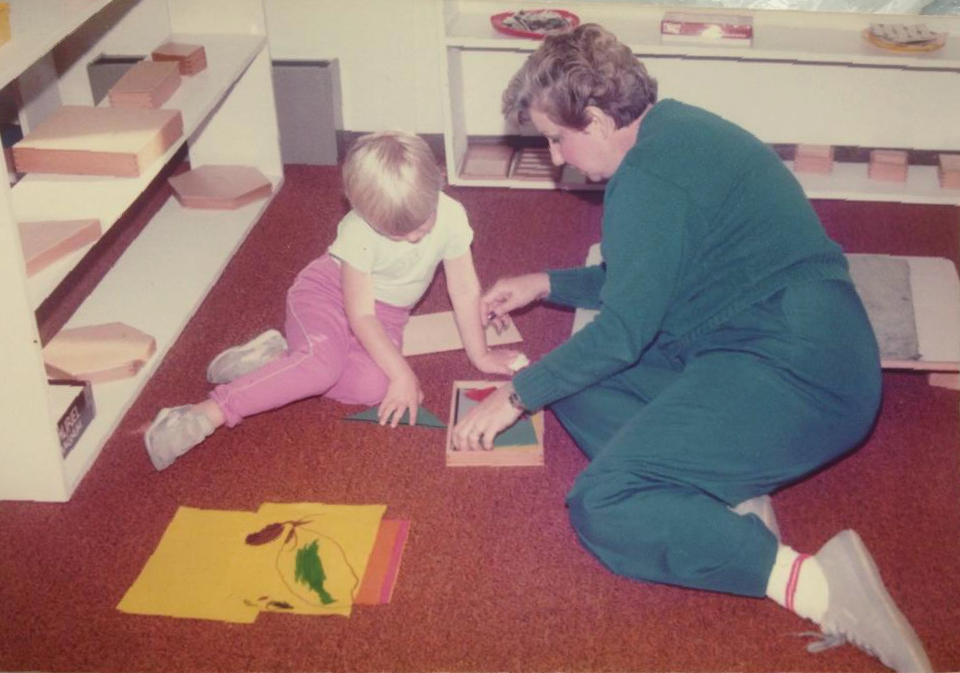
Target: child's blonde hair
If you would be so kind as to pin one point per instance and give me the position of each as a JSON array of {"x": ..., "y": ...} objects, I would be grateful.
[{"x": 392, "y": 180}]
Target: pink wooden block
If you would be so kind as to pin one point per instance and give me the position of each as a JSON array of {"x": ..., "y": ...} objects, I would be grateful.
[
  {"x": 148, "y": 84},
  {"x": 98, "y": 353},
  {"x": 813, "y": 159},
  {"x": 888, "y": 165},
  {"x": 191, "y": 58},
  {"x": 220, "y": 187},
  {"x": 83, "y": 140},
  {"x": 487, "y": 161},
  {"x": 949, "y": 171},
  {"x": 44, "y": 243}
]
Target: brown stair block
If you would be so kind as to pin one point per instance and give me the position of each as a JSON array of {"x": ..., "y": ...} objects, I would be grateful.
[
  {"x": 147, "y": 84},
  {"x": 44, "y": 243},
  {"x": 98, "y": 353},
  {"x": 84, "y": 140},
  {"x": 888, "y": 165},
  {"x": 190, "y": 58},
  {"x": 487, "y": 161},
  {"x": 220, "y": 187}
]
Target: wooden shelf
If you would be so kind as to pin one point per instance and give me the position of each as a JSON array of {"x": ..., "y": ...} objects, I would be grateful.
[{"x": 59, "y": 197}]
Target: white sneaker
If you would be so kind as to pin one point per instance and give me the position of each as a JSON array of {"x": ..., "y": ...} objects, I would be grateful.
[
  {"x": 861, "y": 611},
  {"x": 762, "y": 506},
  {"x": 175, "y": 431},
  {"x": 235, "y": 362}
]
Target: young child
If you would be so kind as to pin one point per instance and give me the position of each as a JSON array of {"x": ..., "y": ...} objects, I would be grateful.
[{"x": 347, "y": 309}]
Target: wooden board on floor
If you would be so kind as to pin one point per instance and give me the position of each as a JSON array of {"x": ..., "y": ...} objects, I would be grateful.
[
  {"x": 437, "y": 333},
  {"x": 935, "y": 288}
]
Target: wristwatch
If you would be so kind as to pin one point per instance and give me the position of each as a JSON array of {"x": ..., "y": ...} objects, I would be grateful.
[{"x": 516, "y": 402}]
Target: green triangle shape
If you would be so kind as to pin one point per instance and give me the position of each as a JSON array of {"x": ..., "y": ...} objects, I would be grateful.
[{"x": 425, "y": 418}]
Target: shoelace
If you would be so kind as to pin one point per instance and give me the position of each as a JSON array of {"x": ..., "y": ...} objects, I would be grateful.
[{"x": 827, "y": 641}]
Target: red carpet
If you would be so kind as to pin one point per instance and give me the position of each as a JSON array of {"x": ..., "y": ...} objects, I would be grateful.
[{"x": 492, "y": 578}]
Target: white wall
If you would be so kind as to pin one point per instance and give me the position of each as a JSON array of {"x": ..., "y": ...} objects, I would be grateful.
[{"x": 388, "y": 53}]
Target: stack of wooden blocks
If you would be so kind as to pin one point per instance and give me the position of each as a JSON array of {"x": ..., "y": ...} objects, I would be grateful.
[
  {"x": 813, "y": 159},
  {"x": 190, "y": 58},
  {"x": 949, "y": 171},
  {"x": 888, "y": 165}
]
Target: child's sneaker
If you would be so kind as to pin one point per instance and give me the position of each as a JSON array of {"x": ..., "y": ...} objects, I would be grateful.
[
  {"x": 861, "y": 611},
  {"x": 235, "y": 362},
  {"x": 175, "y": 431},
  {"x": 762, "y": 506}
]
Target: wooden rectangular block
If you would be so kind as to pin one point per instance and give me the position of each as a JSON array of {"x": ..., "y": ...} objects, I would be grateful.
[
  {"x": 98, "y": 353},
  {"x": 438, "y": 333},
  {"x": 487, "y": 161},
  {"x": 948, "y": 171},
  {"x": 82, "y": 140},
  {"x": 190, "y": 58},
  {"x": 534, "y": 163},
  {"x": 44, "y": 243},
  {"x": 813, "y": 159},
  {"x": 147, "y": 84},
  {"x": 528, "y": 454},
  {"x": 888, "y": 165}
]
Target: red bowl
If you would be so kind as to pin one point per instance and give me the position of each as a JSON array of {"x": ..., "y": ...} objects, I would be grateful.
[{"x": 497, "y": 20}]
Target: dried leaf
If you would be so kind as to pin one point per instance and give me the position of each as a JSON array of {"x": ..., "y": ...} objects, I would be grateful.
[{"x": 265, "y": 535}]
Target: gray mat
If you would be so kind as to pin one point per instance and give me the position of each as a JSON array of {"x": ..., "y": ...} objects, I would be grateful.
[{"x": 883, "y": 283}]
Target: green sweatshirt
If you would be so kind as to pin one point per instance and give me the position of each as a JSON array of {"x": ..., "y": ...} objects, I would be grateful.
[{"x": 700, "y": 220}]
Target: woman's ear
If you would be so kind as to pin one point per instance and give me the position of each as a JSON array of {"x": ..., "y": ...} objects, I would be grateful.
[{"x": 600, "y": 121}]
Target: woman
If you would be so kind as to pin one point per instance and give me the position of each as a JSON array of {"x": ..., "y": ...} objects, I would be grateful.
[{"x": 731, "y": 354}]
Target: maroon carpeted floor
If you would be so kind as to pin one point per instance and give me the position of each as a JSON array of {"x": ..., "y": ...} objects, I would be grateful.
[{"x": 492, "y": 579}]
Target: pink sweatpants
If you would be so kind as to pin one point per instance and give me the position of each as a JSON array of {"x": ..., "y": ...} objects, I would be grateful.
[{"x": 323, "y": 356}]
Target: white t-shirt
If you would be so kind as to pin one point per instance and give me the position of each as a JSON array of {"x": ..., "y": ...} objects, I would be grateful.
[{"x": 402, "y": 271}]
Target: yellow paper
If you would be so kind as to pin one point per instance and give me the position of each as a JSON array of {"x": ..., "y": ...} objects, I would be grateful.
[
  {"x": 186, "y": 575},
  {"x": 340, "y": 536}
]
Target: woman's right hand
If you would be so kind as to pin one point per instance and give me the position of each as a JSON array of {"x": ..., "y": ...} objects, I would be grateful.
[{"x": 509, "y": 294}]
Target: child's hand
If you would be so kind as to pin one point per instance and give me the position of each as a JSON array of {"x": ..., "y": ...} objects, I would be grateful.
[
  {"x": 403, "y": 394},
  {"x": 499, "y": 361}
]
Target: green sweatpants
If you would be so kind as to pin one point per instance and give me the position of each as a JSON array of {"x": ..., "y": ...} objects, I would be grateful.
[{"x": 780, "y": 390}]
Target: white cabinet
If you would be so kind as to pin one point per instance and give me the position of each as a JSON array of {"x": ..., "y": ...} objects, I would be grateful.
[
  {"x": 229, "y": 118},
  {"x": 809, "y": 77}
]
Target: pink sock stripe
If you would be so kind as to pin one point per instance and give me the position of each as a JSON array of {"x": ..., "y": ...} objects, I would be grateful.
[{"x": 792, "y": 582}]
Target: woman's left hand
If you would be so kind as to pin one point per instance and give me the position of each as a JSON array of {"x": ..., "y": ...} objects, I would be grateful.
[{"x": 485, "y": 421}]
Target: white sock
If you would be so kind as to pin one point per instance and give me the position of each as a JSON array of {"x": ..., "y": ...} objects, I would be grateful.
[{"x": 797, "y": 583}]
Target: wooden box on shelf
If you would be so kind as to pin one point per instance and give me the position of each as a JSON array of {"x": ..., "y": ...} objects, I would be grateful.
[
  {"x": 44, "y": 243},
  {"x": 948, "y": 171},
  {"x": 813, "y": 159},
  {"x": 220, "y": 187},
  {"x": 82, "y": 140},
  {"x": 487, "y": 161},
  {"x": 520, "y": 445},
  {"x": 534, "y": 163},
  {"x": 98, "y": 353},
  {"x": 190, "y": 58},
  {"x": 147, "y": 84},
  {"x": 888, "y": 165}
]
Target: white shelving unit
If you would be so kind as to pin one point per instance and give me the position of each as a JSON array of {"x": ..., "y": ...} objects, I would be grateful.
[
  {"x": 229, "y": 117},
  {"x": 808, "y": 78}
]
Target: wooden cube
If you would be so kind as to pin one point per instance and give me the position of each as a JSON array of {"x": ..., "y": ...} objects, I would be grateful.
[
  {"x": 949, "y": 171},
  {"x": 83, "y": 140},
  {"x": 147, "y": 84},
  {"x": 44, "y": 243},
  {"x": 888, "y": 165},
  {"x": 220, "y": 187},
  {"x": 518, "y": 446},
  {"x": 813, "y": 159},
  {"x": 190, "y": 58},
  {"x": 98, "y": 353}
]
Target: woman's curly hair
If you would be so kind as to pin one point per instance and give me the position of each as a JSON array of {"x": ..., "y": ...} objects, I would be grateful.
[{"x": 575, "y": 69}]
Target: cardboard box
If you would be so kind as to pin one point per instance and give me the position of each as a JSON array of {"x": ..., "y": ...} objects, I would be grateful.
[{"x": 72, "y": 408}]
